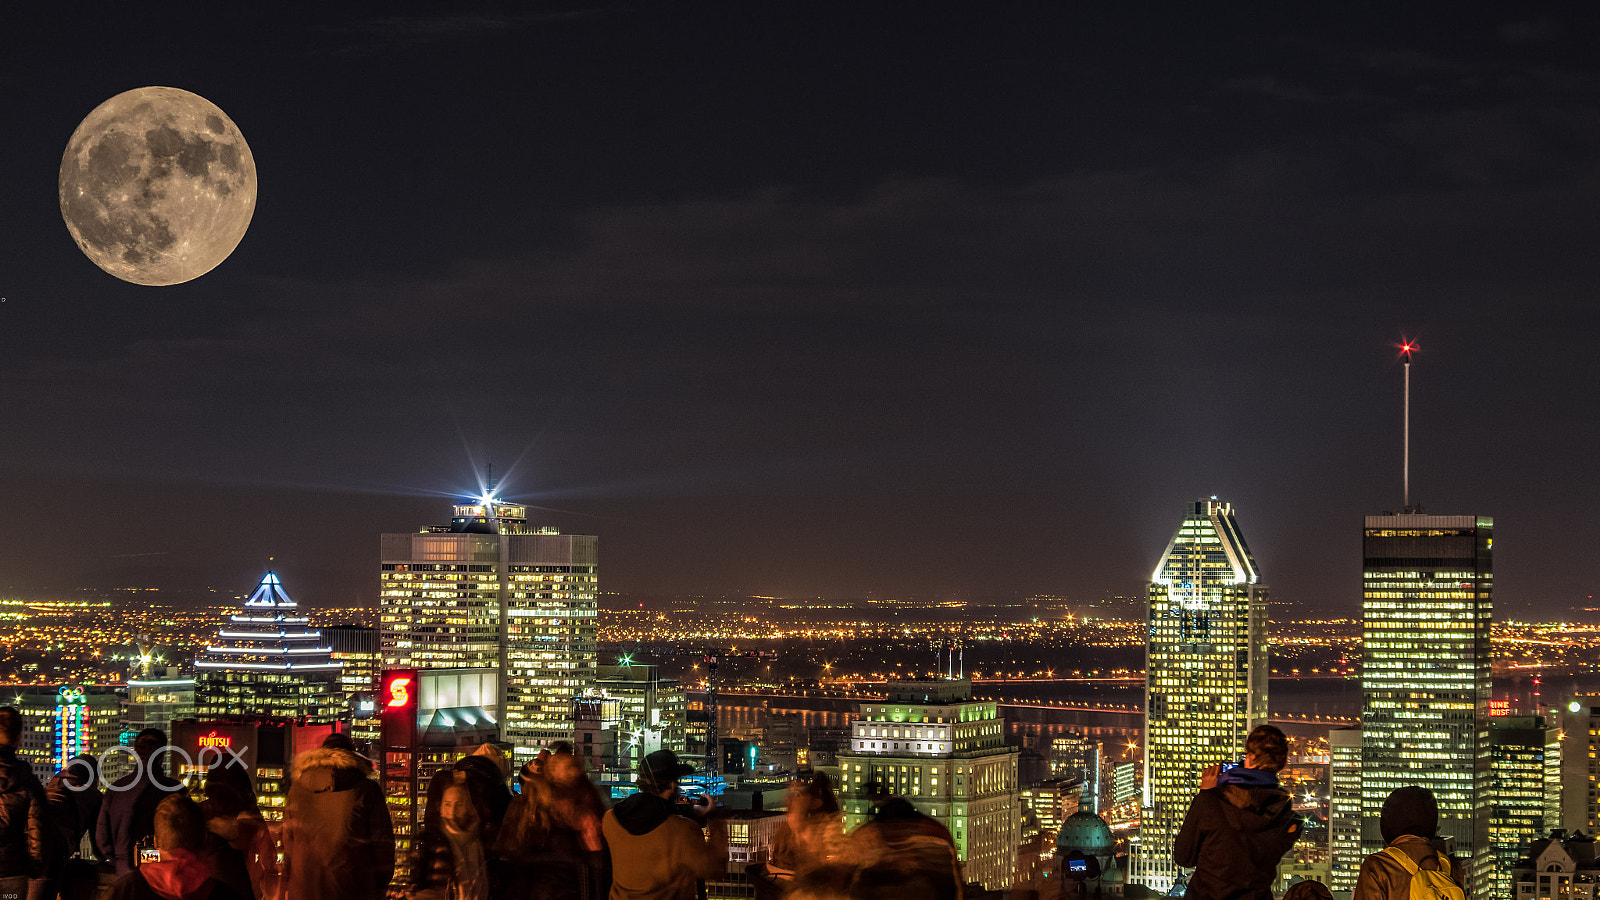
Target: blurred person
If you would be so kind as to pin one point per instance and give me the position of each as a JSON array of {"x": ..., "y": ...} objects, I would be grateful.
[
  {"x": 488, "y": 787},
  {"x": 812, "y": 832},
  {"x": 128, "y": 812},
  {"x": 1409, "y": 824},
  {"x": 72, "y": 803},
  {"x": 178, "y": 870},
  {"x": 27, "y": 843},
  {"x": 657, "y": 849},
  {"x": 239, "y": 844},
  {"x": 903, "y": 849},
  {"x": 1240, "y": 824},
  {"x": 1308, "y": 890},
  {"x": 447, "y": 859},
  {"x": 497, "y": 756},
  {"x": 551, "y": 844},
  {"x": 337, "y": 838}
]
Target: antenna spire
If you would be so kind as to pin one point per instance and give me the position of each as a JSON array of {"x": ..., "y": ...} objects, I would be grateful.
[{"x": 1407, "y": 347}]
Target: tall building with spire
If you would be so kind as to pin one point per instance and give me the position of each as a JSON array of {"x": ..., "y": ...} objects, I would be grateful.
[
  {"x": 1205, "y": 672},
  {"x": 489, "y": 591},
  {"x": 268, "y": 662},
  {"x": 1427, "y": 588}
]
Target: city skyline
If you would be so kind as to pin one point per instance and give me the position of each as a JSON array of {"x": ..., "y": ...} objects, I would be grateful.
[{"x": 793, "y": 282}]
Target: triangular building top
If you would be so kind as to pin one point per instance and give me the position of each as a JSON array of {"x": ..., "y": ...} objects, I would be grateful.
[{"x": 270, "y": 593}]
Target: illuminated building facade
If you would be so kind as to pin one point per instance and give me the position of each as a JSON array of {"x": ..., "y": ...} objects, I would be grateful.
[
  {"x": 1427, "y": 590},
  {"x": 356, "y": 648},
  {"x": 264, "y": 746},
  {"x": 1205, "y": 672},
  {"x": 1579, "y": 791},
  {"x": 946, "y": 754},
  {"x": 1344, "y": 808},
  {"x": 488, "y": 591},
  {"x": 1520, "y": 766},
  {"x": 429, "y": 719},
  {"x": 647, "y": 709},
  {"x": 62, "y": 721},
  {"x": 157, "y": 702},
  {"x": 268, "y": 662}
]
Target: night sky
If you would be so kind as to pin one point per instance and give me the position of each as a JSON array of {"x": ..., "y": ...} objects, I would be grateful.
[{"x": 934, "y": 300}]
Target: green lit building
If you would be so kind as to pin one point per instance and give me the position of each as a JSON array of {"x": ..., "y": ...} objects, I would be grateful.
[
  {"x": 1520, "y": 769},
  {"x": 1205, "y": 673},
  {"x": 1427, "y": 604},
  {"x": 946, "y": 754},
  {"x": 489, "y": 591}
]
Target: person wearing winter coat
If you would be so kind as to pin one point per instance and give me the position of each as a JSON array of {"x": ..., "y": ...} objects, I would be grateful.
[
  {"x": 72, "y": 803},
  {"x": 1240, "y": 824},
  {"x": 550, "y": 847},
  {"x": 26, "y": 842},
  {"x": 1409, "y": 824},
  {"x": 128, "y": 812},
  {"x": 448, "y": 859},
  {"x": 337, "y": 838},
  {"x": 657, "y": 850},
  {"x": 181, "y": 871}
]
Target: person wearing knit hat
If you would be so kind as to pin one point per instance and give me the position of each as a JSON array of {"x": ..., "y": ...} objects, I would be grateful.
[{"x": 1410, "y": 825}]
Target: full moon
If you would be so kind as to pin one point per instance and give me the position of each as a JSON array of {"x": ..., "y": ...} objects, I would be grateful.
[{"x": 157, "y": 186}]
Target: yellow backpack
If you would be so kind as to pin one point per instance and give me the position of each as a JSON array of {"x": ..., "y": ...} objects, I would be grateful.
[{"x": 1428, "y": 884}]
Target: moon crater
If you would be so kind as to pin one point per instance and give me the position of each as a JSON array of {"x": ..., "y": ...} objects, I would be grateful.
[{"x": 157, "y": 186}]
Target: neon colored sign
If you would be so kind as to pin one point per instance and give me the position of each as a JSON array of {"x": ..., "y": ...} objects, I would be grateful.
[
  {"x": 215, "y": 740},
  {"x": 1499, "y": 707},
  {"x": 399, "y": 691}
]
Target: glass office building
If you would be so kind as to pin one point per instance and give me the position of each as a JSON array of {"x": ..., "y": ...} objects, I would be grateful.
[
  {"x": 267, "y": 661},
  {"x": 488, "y": 591},
  {"x": 1205, "y": 672},
  {"x": 1521, "y": 768},
  {"x": 1427, "y": 602}
]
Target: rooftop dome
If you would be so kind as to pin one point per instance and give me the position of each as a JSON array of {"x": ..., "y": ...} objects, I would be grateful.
[{"x": 1086, "y": 833}]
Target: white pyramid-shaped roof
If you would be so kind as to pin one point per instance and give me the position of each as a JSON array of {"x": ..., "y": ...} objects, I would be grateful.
[{"x": 270, "y": 593}]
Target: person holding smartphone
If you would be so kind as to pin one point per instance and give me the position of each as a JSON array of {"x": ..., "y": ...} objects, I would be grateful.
[
  {"x": 1240, "y": 824},
  {"x": 657, "y": 849}
]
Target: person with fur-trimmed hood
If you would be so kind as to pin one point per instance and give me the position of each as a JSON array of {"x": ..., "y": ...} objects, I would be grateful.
[{"x": 338, "y": 840}]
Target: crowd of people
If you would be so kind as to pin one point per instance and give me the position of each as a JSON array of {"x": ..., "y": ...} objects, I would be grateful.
[{"x": 147, "y": 838}]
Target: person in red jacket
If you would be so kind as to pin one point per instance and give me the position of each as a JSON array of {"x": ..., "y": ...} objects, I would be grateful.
[{"x": 179, "y": 871}]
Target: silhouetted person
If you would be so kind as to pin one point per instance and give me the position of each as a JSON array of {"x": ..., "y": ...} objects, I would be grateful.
[
  {"x": 1308, "y": 890},
  {"x": 181, "y": 872},
  {"x": 550, "y": 846},
  {"x": 72, "y": 804},
  {"x": 1240, "y": 824},
  {"x": 238, "y": 843},
  {"x": 128, "y": 812},
  {"x": 657, "y": 850},
  {"x": 338, "y": 840},
  {"x": 26, "y": 841},
  {"x": 1410, "y": 825},
  {"x": 486, "y": 782},
  {"x": 903, "y": 849},
  {"x": 812, "y": 833}
]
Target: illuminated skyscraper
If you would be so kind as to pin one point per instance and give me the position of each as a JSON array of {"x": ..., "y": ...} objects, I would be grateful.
[
  {"x": 1344, "y": 808},
  {"x": 1524, "y": 758},
  {"x": 1205, "y": 672},
  {"x": 267, "y": 661},
  {"x": 1428, "y": 598},
  {"x": 488, "y": 591}
]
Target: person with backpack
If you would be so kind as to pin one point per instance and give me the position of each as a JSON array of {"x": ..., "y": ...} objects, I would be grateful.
[
  {"x": 1240, "y": 824},
  {"x": 1412, "y": 866}
]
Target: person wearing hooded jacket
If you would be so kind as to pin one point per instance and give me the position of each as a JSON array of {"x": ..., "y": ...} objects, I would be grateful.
[
  {"x": 26, "y": 841},
  {"x": 658, "y": 852},
  {"x": 1240, "y": 824},
  {"x": 1409, "y": 823},
  {"x": 338, "y": 840},
  {"x": 182, "y": 872}
]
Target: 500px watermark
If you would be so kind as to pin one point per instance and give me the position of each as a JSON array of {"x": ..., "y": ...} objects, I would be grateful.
[{"x": 147, "y": 770}]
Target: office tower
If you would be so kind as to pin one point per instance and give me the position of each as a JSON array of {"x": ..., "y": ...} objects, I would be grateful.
[
  {"x": 1579, "y": 794},
  {"x": 60, "y": 722},
  {"x": 946, "y": 754},
  {"x": 269, "y": 662},
  {"x": 1051, "y": 802},
  {"x": 1344, "y": 808},
  {"x": 645, "y": 707},
  {"x": 1427, "y": 589},
  {"x": 489, "y": 591},
  {"x": 1518, "y": 769},
  {"x": 157, "y": 702},
  {"x": 1205, "y": 672},
  {"x": 1074, "y": 756}
]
